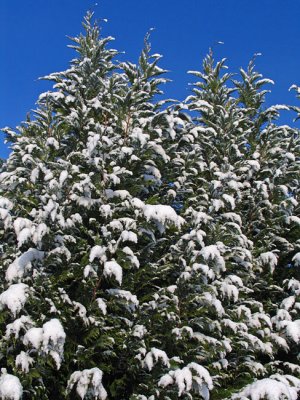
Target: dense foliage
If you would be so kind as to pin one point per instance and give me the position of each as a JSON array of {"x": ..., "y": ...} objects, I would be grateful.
[{"x": 148, "y": 250}]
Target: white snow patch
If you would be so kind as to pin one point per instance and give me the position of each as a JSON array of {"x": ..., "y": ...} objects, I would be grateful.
[
  {"x": 293, "y": 330},
  {"x": 210, "y": 300},
  {"x": 131, "y": 256},
  {"x": 139, "y": 331},
  {"x": 158, "y": 149},
  {"x": 62, "y": 177},
  {"x": 39, "y": 232},
  {"x": 296, "y": 259},
  {"x": 88, "y": 383},
  {"x": 24, "y": 323},
  {"x": 186, "y": 381},
  {"x": 14, "y": 297},
  {"x": 49, "y": 339},
  {"x": 294, "y": 285},
  {"x": 81, "y": 311},
  {"x": 98, "y": 252},
  {"x": 33, "y": 337},
  {"x": 154, "y": 355},
  {"x": 10, "y": 386},
  {"x": 128, "y": 236},
  {"x": 268, "y": 389},
  {"x": 23, "y": 263},
  {"x": 89, "y": 271},
  {"x": 229, "y": 199},
  {"x": 269, "y": 259},
  {"x": 102, "y": 305},
  {"x": 178, "y": 332},
  {"x": 112, "y": 268},
  {"x": 233, "y": 217},
  {"x": 138, "y": 134},
  {"x": 105, "y": 209},
  {"x": 51, "y": 141},
  {"x": 288, "y": 303},
  {"x": 163, "y": 214},
  {"x": 6, "y": 204},
  {"x": 24, "y": 361},
  {"x": 212, "y": 252},
  {"x": 121, "y": 194},
  {"x": 20, "y": 224},
  {"x": 229, "y": 291},
  {"x": 126, "y": 295},
  {"x": 293, "y": 218}
]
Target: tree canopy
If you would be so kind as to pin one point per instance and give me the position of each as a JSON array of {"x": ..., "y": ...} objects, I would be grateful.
[{"x": 150, "y": 248}]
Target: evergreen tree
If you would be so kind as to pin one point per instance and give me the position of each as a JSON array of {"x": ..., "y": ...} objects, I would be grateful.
[
  {"x": 150, "y": 252},
  {"x": 75, "y": 216},
  {"x": 230, "y": 303}
]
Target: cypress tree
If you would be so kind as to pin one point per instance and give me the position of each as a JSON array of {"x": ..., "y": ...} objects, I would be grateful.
[
  {"x": 150, "y": 251},
  {"x": 80, "y": 192}
]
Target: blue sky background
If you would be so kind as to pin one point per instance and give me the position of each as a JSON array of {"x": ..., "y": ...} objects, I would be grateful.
[{"x": 33, "y": 42}]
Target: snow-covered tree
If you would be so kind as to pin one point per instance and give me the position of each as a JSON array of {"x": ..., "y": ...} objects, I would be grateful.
[
  {"x": 229, "y": 306},
  {"x": 150, "y": 252},
  {"x": 80, "y": 193}
]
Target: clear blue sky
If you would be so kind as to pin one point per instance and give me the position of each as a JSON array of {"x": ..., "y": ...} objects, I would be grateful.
[{"x": 33, "y": 42}]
